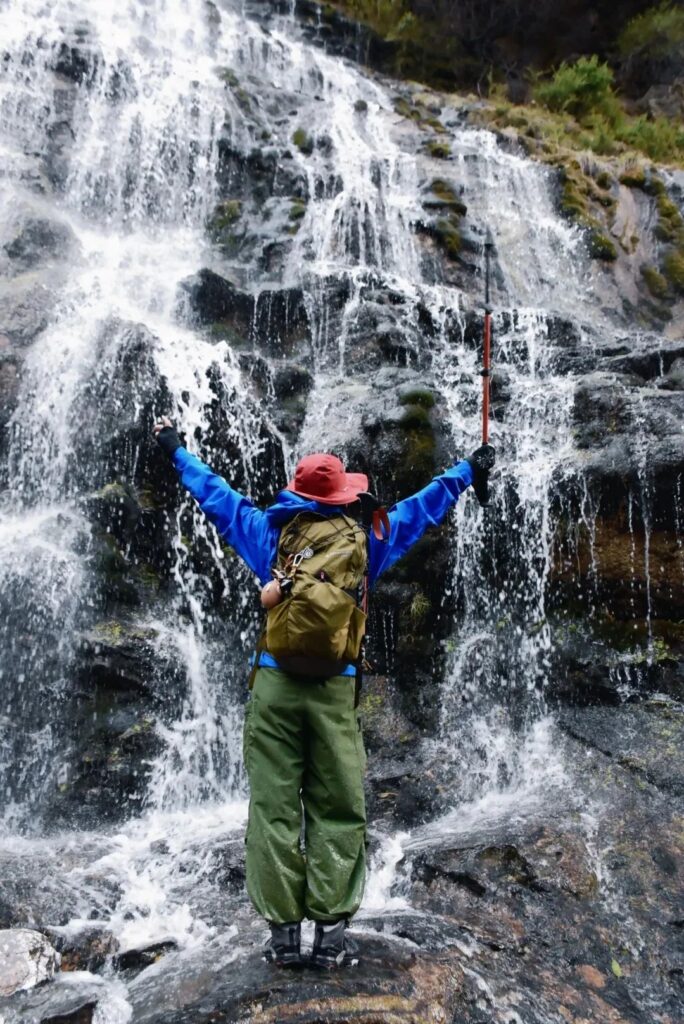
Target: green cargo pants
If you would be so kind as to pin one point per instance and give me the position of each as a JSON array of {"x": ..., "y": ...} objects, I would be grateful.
[{"x": 305, "y": 761}]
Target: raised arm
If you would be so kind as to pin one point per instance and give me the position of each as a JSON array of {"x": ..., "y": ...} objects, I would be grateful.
[
  {"x": 240, "y": 523},
  {"x": 410, "y": 518}
]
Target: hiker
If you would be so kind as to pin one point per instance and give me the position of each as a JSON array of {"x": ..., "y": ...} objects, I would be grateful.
[{"x": 303, "y": 748}]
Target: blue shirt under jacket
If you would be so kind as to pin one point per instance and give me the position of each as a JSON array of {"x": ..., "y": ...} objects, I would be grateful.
[{"x": 254, "y": 533}]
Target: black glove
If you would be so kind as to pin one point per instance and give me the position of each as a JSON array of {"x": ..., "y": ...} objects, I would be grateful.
[
  {"x": 168, "y": 440},
  {"x": 482, "y": 461}
]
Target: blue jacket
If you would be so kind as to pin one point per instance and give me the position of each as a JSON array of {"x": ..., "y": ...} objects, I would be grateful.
[{"x": 254, "y": 533}]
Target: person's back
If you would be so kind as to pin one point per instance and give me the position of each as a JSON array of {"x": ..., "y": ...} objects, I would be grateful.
[{"x": 303, "y": 748}]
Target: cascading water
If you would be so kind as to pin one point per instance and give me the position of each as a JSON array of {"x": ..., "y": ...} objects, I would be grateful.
[{"x": 160, "y": 137}]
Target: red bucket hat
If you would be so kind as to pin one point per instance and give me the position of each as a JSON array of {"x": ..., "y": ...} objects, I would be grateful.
[{"x": 323, "y": 478}]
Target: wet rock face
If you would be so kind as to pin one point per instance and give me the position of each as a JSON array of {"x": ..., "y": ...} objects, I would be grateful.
[
  {"x": 26, "y": 959},
  {"x": 630, "y": 456}
]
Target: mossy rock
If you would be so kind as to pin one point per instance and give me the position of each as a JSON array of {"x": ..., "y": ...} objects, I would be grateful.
[
  {"x": 297, "y": 211},
  {"x": 228, "y": 76},
  {"x": 438, "y": 150},
  {"x": 673, "y": 269},
  {"x": 225, "y": 214},
  {"x": 634, "y": 177},
  {"x": 601, "y": 247},
  {"x": 415, "y": 417},
  {"x": 449, "y": 237},
  {"x": 418, "y": 465},
  {"x": 670, "y": 223},
  {"x": 420, "y": 397},
  {"x": 303, "y": 141},
  {"x": 419, "y": 608},
  {"x": 442, "y": 189},
  {"x": 655, "y": 281},
  {"x": 406, "y": 109},
  {"x": 446, "y": 196}
]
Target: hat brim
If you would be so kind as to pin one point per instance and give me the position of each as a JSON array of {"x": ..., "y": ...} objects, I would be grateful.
[{"x": 354, "y": 484}]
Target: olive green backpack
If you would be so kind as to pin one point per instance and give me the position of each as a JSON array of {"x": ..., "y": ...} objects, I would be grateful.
[{"x": 318, "y": 627}]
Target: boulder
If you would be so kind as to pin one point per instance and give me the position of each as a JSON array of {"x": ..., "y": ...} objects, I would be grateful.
[
  {"x": 26, "y": 304},
  {"x": 647, "y": 739},
  {"x": 275, "y": 319},
  {"x": 38, "y": 238},
  {"x": 26, "y": 959},
  {"x": 69, "y": 999}
]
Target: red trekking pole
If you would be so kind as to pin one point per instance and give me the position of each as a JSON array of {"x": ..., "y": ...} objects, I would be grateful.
[
  {"x": 486, "y": 362},
  {"x": 481, "y": 480}
]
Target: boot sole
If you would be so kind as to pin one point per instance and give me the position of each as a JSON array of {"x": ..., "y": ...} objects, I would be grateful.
[{"x": 286, "y": 960}]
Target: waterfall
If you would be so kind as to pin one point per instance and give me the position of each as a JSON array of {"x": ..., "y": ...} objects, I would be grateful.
[{"x": 129, "y": 133}]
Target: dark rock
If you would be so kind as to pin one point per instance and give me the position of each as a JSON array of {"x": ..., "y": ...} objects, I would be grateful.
[
  {"x": 86, "y": 950},
  {"x": 390, "y": 978},
  {"x": 38, "y": 240},
  {"x": 647, "y": 361},
  {"x": 292, "y": 380},
  {"x": 646, "y": 739},
  {"x": 274, "y": 319},
  {"x": 65, "y": 1001},
  {"x": 77, "y": 58},
  {"x": 128, "y": 391},
  {"x": 136, "y": 960},
  {"x": 9, "y": 386},
  {"x": 25, "y": 308}
]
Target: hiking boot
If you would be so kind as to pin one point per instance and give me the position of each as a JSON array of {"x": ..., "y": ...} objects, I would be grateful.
[
  {"x": 282, "y": 950},
  {"x": 330, "y": 945}
]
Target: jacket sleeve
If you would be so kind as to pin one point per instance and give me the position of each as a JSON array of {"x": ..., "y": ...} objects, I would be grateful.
[
  {"x": 410, "y": 518},
  {"x": 240, "y": 523}
]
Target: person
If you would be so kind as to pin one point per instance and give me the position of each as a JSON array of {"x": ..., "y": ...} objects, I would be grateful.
[{"x": 303, "y": 750}]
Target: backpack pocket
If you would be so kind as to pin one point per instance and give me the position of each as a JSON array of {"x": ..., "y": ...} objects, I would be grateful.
[{"x": 318, "y": 620}]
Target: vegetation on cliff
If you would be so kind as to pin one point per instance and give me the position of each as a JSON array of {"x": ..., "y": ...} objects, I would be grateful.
[{"x": 606, "y": 77}]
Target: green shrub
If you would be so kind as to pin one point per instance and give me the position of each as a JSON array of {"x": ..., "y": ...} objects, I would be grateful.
[
  {"x": 303, "y": 141},
  {"x": 297, "y": 210},
  {"x": 673, "y": 266},
  {"x": 439, "y": 150},
  {"x": 660, "y": 138},
  {"x": 448, "y": 236},
  {"x": 655, "y": 282},
  {"x": 416, "y": 417},
  {"x": 418, "y": 396},
  {"x": 658, "y": 32},
  {"x": 582, "y": 89},
  {"x": 601, "y": 247}
]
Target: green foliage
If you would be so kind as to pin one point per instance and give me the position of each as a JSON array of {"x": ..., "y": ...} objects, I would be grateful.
[
  {"x": 419, "y": 608},
  {"x": 418, "y": 396},
  {"x": 442, "y": 190},
  {"x": 416, "y": 417},
  {"x": 297, "y": 210},
  {"x": 601, "y": 247},
  {"x": 673, "y": 268},
  {"x": 226, "y": 213},
  {"x": 658, "y": 32},
  {"x": 655, "y": 282},
  {"x": 447, "y": 234},
  {"x": 303, "y": 141},
  {"x": 439, "y": 150},
  {"x": 660, "y": 138},
  {"x": 634, "y": 177},
  {"x": 390, "y": 18},
  {"x": 581, "y": 89}
]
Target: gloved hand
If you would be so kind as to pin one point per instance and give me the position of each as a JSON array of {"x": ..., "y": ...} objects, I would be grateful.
[
  {"x": 167, "y": 436},
  {"x": 482, "y": 461}
]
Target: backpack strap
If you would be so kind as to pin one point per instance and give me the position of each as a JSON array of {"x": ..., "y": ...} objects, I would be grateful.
[{"x": 260, "y": 648}]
